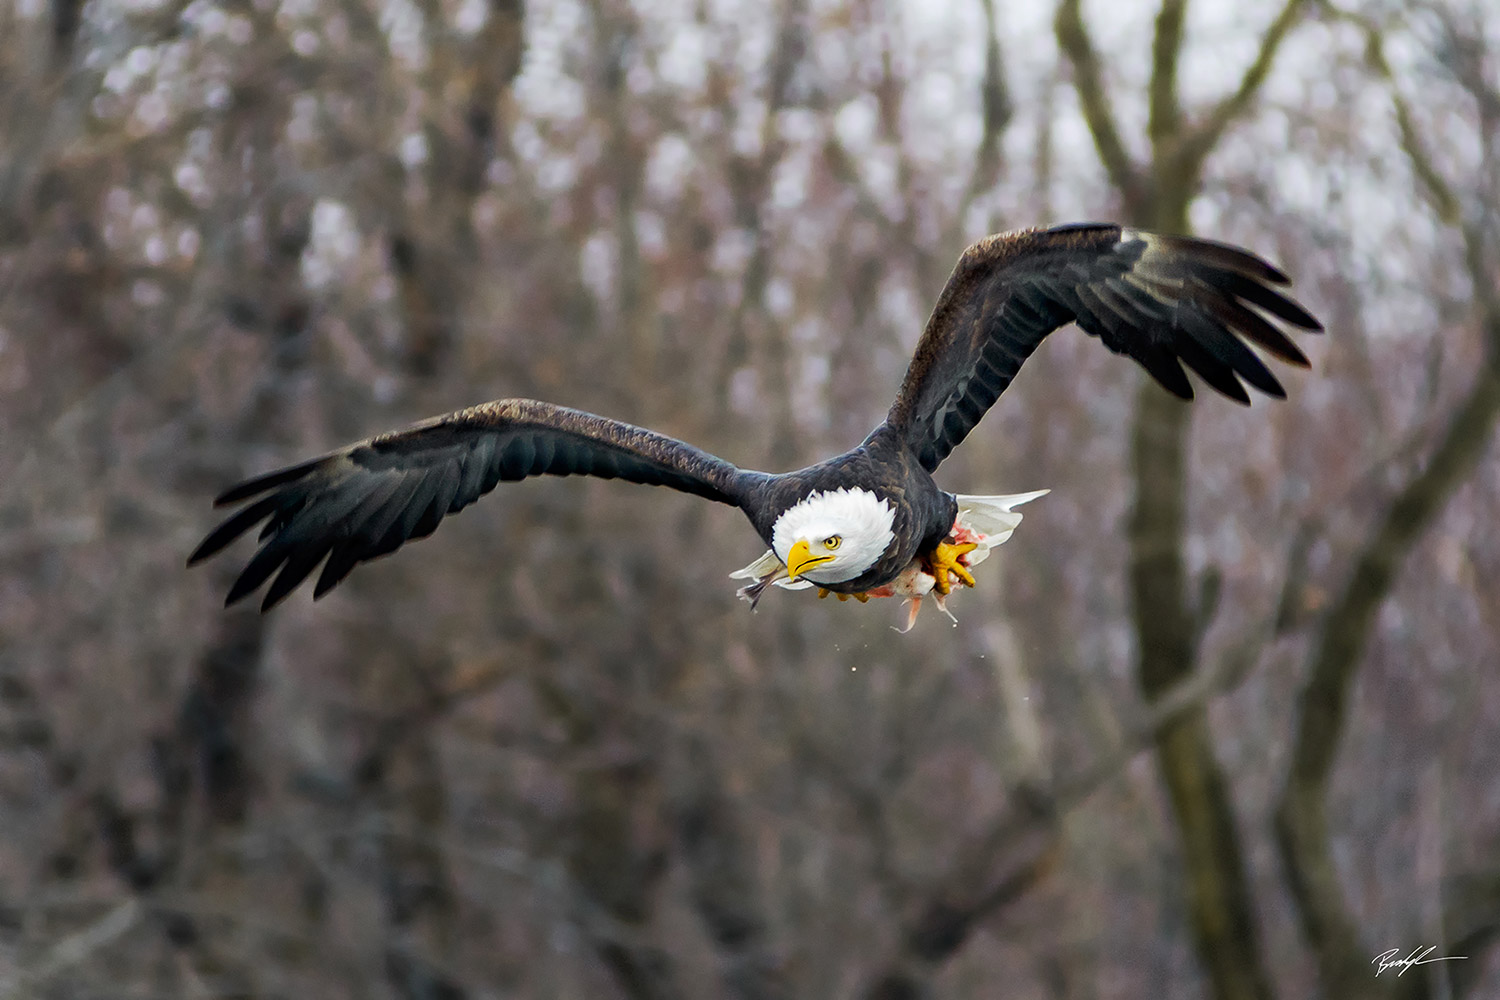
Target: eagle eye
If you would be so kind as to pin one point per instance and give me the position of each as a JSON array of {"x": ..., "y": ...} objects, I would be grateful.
[{"x": 832, "y": 542}]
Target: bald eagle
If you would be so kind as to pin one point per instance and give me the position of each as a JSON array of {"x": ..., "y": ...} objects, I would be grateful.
[{"x": 869, "y": 522}]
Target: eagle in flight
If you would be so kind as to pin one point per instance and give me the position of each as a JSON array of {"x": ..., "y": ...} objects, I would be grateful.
[{"x": 869, "y": 522}]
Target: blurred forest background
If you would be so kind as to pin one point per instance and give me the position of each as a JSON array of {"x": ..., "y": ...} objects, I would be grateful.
[{"x": 1222, "y": 720}]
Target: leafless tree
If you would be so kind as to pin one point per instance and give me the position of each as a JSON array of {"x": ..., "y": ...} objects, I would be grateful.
[{"x": 1214, "y": 722}]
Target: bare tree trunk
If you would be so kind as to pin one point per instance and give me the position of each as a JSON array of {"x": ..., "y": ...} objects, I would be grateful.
[{"x": 1221, "y": 907}]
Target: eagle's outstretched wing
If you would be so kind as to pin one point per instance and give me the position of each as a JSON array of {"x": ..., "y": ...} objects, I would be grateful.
[
  {"x": 369, "y": 498},
  {"x": 1160, "y": 299}
]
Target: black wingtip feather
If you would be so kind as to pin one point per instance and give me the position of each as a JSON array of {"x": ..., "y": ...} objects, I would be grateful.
[
  {"x": 1168, "y": 373},
  {"x": 297, "y": 568},
  {"x": 1212, "y": 253},
  {"x": 250, "y": 578},
  {"x": 1220, "y": 342},
  {"x": 1250, "y": 324},
  {"x": 1218, "y": 374},
  {"x": 1278, "y": 304},
  {"x": 231, "y": 529},
  {"x": 250, "y": 487},
  {"x": 343, "y": 558}
]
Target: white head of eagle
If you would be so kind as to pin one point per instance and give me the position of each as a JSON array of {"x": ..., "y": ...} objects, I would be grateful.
[{"x": 833, "y": 535}]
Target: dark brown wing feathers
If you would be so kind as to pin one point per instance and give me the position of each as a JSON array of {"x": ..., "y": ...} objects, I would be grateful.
[
  {"x": 1163, "y": 300},
  {"x": 370, "y": 498}
]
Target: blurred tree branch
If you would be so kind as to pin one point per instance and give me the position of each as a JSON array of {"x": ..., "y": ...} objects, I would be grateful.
[
  {"x": 1345, "y": 631},
  {"x": 1158, "y": 196},
  {"x": 749, "y": 182},
  {"x": 1199, "y": 140},
  {"x": 75, "y": 949},
  {"x": 1088, "y": 81},
  {"x": 1164, "y": 115},
  {"x": 997, "y": 111},
  {"x": 1020, "y": 847}
]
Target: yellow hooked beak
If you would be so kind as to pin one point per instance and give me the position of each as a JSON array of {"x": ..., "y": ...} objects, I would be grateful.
[{"x": 801, "y": 559}]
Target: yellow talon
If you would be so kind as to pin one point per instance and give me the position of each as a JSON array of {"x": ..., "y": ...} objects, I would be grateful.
[
  {"x": 823, "y": 592},
  {"x": 944, "y": 559},
  {"x": 861, "y": 597}
]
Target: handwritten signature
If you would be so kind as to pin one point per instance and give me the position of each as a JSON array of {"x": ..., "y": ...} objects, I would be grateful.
[{"x": 1388, "y": 960}]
